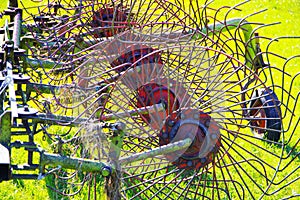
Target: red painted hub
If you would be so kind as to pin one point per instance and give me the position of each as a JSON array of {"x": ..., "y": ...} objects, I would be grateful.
[
  {"x": 109, "y": 21},
  {"x": 145, "y": 64},
  {"x": 134, "y": 53},
  {"x": 153, "y": 93},
  {"x": 198, "y": 126}
]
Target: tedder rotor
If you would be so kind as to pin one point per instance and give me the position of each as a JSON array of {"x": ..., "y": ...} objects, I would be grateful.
[{"x": 146, "y": 100}]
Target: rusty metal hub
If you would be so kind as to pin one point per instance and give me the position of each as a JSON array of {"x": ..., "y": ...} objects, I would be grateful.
[
  {"x": 109, "y": 21},
  {"x": 196, "y": 125},
  {"x": 153, "y": 93},
  {"x": 134, "y": 53}
]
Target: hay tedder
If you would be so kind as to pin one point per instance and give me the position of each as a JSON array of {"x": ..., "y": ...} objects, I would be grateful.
[{"x": 147, "y": 99}]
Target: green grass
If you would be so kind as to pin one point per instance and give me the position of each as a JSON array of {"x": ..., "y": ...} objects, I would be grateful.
[{"x": 285, "y": 11}]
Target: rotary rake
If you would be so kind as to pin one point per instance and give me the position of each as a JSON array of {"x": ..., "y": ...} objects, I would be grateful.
[{"x": 147, "y": 100}]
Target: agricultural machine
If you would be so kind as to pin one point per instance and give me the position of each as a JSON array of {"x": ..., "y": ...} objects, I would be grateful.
[{"x": 146, "y": 100}]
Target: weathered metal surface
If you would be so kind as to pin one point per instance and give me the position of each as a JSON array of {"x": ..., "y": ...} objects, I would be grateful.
[
  {"x": 81, "y": 164},
  {"x": 56, "y": 119},
  {"x": 140, "y": 111},
  {"x": 163, "y": 150},
  {"x": 69, "y": 48},
  {"x": 7, "y": 36},
  {"x": 12, "y": 94},
  {"x": 17, "y": 28},
  {"x": 46, "y": 64}
]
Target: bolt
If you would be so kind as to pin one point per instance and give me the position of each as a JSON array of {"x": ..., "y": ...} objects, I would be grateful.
[
  {"x": 106, "y": 171},
  {"x": 189, "y": 163},
  {"x": 213, "y": 136},
  {"x": 26, "y": 109},
  {"x": 148, "y": 88},
  {"x": 203, "y": 160}
]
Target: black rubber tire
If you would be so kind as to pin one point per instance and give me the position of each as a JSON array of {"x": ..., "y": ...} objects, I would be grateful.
[{"x": 271, "y": 104}]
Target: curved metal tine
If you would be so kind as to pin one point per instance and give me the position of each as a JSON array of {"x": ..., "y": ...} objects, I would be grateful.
[
  {"x": 243, "y": 159},
  {"x": 268, "y": 165},
  {"x": 288, "y": 93},
  {"x": 289, "y": 96},
  {"x": 243, "y": 149}
]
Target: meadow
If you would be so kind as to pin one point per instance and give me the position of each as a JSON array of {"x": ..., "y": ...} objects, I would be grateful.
[{"x": 285, "y": 11}]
